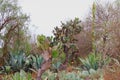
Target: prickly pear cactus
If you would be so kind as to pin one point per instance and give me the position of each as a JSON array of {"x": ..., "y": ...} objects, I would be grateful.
[{"x": 65, "y": 34}]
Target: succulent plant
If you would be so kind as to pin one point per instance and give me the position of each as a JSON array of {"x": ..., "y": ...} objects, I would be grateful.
[
  {"x": 65, "y": 35},
  {"x": 90, "y": 62},
  {"x": 36, "y": 61},
  {"x": 22, "y": 75},
  {"x": 17, "y": 61}
]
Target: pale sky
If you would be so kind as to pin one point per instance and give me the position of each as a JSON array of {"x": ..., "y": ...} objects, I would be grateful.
[{"x": 47, "y": 14}]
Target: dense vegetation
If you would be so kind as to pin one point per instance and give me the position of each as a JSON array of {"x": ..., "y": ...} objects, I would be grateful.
[{"x": 79, "y": 50}]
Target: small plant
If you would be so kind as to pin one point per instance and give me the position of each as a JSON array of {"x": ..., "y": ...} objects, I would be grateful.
[
  {"x": 42, "y": 42},
  {"x": 49, "y": 75},
  {"x": 90, "y": 62},
  {"x": 22, "y": 75},
  {"x": 58, "y": 57},
  {"x": 61, "y": 75},
  {"x": 5, "y": 69},
  {"x": 36, "y": 61},
  {"x": 94, "y": 61}
]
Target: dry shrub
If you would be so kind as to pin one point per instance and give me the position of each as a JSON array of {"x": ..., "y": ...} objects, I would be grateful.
[
  {"x": 84, "y": 43},
  {"x": 107, "y": 30},
  {"x": 112, "y": 73}
]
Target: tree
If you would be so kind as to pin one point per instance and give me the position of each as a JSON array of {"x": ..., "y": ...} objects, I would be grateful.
[{"x": 12, "y": 24}]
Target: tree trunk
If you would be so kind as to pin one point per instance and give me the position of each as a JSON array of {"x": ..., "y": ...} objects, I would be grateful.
[{"x": 46, "y": 65}]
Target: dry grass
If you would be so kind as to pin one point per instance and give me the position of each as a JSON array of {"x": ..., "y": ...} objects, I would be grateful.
[{"x": 112, "y": 73}]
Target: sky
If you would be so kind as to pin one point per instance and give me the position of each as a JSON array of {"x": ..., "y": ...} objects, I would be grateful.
[{"x": 47, "y": 14}]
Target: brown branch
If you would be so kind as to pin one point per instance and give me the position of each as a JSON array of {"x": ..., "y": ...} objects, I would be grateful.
[
  {"x": 11, "y": 29},
  {"x": 7, "y": 40},
  {"x": 46, "y": 65},
  {"x": 5, "y": 22}
]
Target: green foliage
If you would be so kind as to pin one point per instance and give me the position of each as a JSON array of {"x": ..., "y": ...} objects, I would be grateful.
[
  {"x": 58, "y": 57},
  {"x": 5, "y": 69},
  {"x": 49, "y": 75},
  {"x": 20, "y": 61},
  {"x": 56, "y": 65},
  {"x": 36, "y": 61},
  {"x": 90, "y": 62},
  {"x": 22, "y": 75},
  {"x": 17, "y": 61},
  {"x": 74, "y": 75},
  {"x": 55, "y": 53},
  {"x": 42, "y": 42},
  {"x": 94, "y": 61},
  {"x": 13, "y": 29},
  {"x": 65, "y": 35}
]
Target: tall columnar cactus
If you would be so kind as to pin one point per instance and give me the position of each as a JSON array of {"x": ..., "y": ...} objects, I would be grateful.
[{"x": 65, "y": 35}]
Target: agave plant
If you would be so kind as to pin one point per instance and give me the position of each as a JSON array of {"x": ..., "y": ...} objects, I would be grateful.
[
  {"x": 17, "y": 61},
  {"x": 94, "y": 61},
  {"x": 36, "y": 61},
  {"x": 90, "y": 62}
]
